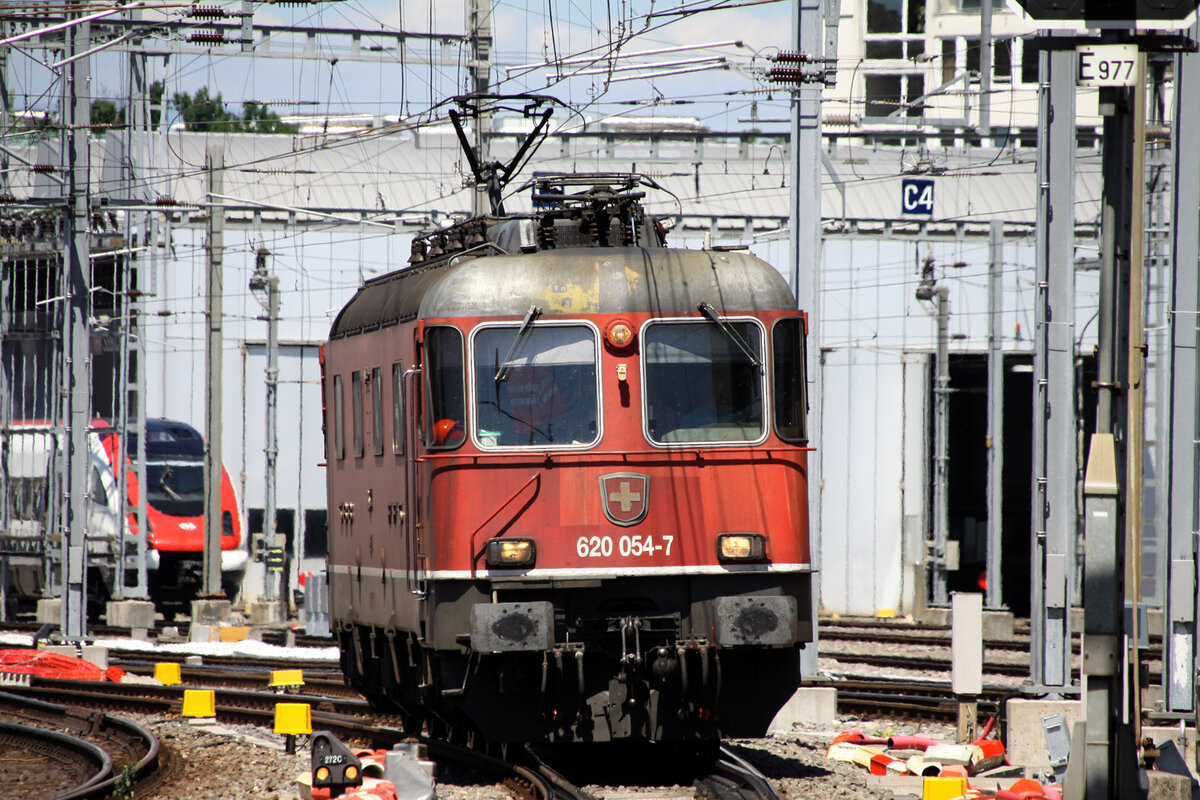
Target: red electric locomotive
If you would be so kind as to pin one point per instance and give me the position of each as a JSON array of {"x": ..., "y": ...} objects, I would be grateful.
[{"x": 567, "y": 479}]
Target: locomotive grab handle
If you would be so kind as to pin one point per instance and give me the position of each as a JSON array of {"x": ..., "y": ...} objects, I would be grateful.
[
  {"x": 409, "y": 521},
  {"x": 475, "y": 554}
]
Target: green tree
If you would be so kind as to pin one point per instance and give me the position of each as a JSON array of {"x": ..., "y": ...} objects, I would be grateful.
[
  {"x": 105, "y": 115},
  {"x": 256, "y": 118},
  {"x": 204, "y": 113}
]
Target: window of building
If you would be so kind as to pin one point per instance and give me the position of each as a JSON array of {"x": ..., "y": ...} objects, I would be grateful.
[
  {"x": 316, "y": 536},
  {"x": 356, "y": 403},
  {"x": 883, "y": 95},
  {"x": 1029, "y": 64},
  {"x": 895, "y": 29},
  {"x": 377, "y": 409},
  {"x": 339, "y": 419},
  {"x": 536, "y": 386},
  {"x": 446, "y": 417},
  {"x": 790, "y": 381},
  {"x": 949, "y": 60},
  {"x": 1002, "y": 60},
  {"x": 397, "y": 408},
  {"x": 884, "y": 48},
  {"x": 703, "y": 382},
  {"x": 974, "y": 49}
]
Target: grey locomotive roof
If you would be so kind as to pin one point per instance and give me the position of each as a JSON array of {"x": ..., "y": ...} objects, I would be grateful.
[{"x": 570, "y": 282}]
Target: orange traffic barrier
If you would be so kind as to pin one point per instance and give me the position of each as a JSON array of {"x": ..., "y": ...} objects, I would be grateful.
[{"x": 883, "y": 764}]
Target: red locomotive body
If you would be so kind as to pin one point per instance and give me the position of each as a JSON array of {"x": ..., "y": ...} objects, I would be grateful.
[{"x": 567, "y": 481}]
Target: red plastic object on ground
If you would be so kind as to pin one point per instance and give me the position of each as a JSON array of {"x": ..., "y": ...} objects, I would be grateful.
[
  {"x": 52, "y": 665},
  {"x": 909, "y": 743}
]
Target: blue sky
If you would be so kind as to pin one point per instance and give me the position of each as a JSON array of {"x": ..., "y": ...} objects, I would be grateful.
[{"x": 525, "y": 31}]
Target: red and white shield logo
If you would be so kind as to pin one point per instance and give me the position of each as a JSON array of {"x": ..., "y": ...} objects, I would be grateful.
[{"x": 625, "y": 497}]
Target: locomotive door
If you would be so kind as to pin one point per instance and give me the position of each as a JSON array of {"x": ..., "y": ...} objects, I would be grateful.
[{"x": 412, "y": 526}]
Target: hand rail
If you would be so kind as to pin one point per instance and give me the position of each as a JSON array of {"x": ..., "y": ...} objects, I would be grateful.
[{"x": 537, "y": 476}]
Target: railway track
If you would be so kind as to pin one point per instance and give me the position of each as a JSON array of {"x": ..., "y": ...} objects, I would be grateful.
[
  {"x": 924, "y": 700},
  {"x": 60, "y": 752},
  {"x": 729, "y": 777}
]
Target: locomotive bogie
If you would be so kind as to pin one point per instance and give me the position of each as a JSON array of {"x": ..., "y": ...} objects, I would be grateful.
[{"x": 624, "y": 662}]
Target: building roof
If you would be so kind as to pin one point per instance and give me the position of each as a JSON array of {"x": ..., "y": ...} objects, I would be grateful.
[{"x": 734, "y": 186}]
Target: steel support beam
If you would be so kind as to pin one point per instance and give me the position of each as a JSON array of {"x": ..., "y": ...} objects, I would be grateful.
[
  {"x": 222, "y": 38},
  {"x": 1181, "y": 601},
  {"x": 215, "y": 171},
  {"x": 1053, "y": 515},
  {"x": 995, "y": 415},
  {"x": 940, "y": 546},
  {"x": 804, "y": 220},
  {"x": 77, "y": 414}
]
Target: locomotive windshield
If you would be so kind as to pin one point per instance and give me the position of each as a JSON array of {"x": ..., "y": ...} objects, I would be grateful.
[
  {"x": 542, "y": 392},
  {"x": 176, "y": 487},
  {"x": 701, "y": 384}
]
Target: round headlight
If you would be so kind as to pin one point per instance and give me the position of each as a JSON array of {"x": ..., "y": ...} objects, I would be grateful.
[{"x": 619, "y": 334}]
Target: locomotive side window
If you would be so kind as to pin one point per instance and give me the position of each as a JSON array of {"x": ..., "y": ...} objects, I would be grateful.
[
  {"x": 536, "y": 386},
  {"x": 356, "y": 403},
  {"x": 339, "y": 419},
  {"x": 790, "y": 384},
  {"x": 444, "y": 387},
  {"x": 701, "y": 383},
  {"x": 377, "y": 409},
  {"x": 397, "y": 408}
]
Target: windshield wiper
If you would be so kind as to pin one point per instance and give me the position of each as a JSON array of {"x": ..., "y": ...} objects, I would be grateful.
[
  {"x": 533, "y": 313},
  {"x": 712, "y": 316},
  {"x": 165, "y": 481}
]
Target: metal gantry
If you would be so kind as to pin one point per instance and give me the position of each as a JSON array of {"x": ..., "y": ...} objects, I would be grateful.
[
  {"x": 1053, "y": 514},
  {"x": 1181, "y": 600},
  {"x": 815, "y": 35},
  {"x": 77, "y": 412},
  {"x": 995, "y": 416}
]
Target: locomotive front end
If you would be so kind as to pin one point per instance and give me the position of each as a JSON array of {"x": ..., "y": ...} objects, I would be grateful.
[{"x": 591, "y": 523}]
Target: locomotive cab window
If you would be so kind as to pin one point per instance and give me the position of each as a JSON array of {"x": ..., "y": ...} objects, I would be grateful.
[
  {"x": 356, "y": 402},
  {"x": 339, "y": 419},
  {"x": 445, "y": 410},
  {"x": 535, "y": 386},
  {"x": 790, "y": 380},
  {"x": 377, "y": 409},
  {"x": 703, "y": 381},
  {"x": 397, "y": 408}
]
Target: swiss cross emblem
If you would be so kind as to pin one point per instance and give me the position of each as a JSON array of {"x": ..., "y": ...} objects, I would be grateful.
[{"x": 625, "y": 496}]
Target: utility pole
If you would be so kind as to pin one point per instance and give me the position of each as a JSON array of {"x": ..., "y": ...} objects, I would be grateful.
[
  {"x": 940, "y": 545},
  {"x": 813, "y": 36},
  {"x": 479, "y": 28},
  {"x": 995, "y": 415},
  {"x": 1052, "y": 513},
  {"x": 76, "y": 107},
  {"x": 263, "y": 280},
  {"x": 1182, "y": 600},
  {"x": 985, "y": 71},
  {"x": 214, "y": 169},
  {"x": 1113, "y": 563}
]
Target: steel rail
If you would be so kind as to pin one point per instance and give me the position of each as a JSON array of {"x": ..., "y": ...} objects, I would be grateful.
[
  {"x": 62, "y": 748},
  {"x": 100, "y": 726},
  {"x": 737, "y": 769}
]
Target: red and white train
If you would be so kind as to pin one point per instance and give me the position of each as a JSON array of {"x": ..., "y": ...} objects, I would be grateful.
[
  {"x": 567, "y": 479},
  {"x": 32, "y": 456}
]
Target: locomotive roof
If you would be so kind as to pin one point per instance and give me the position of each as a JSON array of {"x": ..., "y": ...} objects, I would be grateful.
[{"x": 568, "y": 282}]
